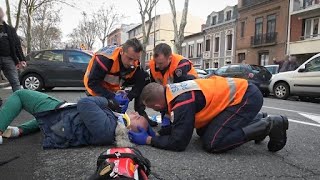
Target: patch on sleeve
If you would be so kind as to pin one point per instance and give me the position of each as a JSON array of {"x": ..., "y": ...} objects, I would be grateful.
[
  {"x": 178, "y": 72},
  {"x": 179, "y": 88}
]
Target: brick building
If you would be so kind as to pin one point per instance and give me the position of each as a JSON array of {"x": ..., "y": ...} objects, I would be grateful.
[
  {"x": 192, "y": 48},
  {"x": 304, "y": 29},
  {"x": 262, "y": 31}
]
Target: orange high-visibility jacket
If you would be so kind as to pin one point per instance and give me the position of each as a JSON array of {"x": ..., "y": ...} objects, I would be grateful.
[
  {"x": 112, "y": 80},
  {"x": 167, "y": 78},
  {"x": 219, "y": 93}
]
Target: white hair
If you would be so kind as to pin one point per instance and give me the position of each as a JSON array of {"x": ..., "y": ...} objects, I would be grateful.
[{"x": 121, "y": 136}]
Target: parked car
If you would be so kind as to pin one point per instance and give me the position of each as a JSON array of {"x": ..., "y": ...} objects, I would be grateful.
[
  {"x": 201, "y": 73},
  {"x": 273, "y": 69},
  {"x": 258, "y": 75},
  {"x": 304, "y": 81},
  {"x": 54, "y": 68},
  {"x": 211, "y": 70}
]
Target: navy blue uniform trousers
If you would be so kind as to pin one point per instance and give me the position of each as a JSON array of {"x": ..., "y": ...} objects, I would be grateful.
[{"x": 224, "y": 132}]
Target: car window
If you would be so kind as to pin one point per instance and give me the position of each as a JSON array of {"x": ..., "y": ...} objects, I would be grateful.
[
  {"x": 78, "y": 57},
  {"x": 221, "y": 70},
  {"x": 256, "y": 69},
  {"x": 233, "y": 69},
  {"x": 52, "y": 56},
  {"x": 313, "y": 65}
]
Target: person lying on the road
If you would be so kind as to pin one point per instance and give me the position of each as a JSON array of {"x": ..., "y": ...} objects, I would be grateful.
[
  {"x": 223, "y": 110},
  {"x": 89, "y": 122}
]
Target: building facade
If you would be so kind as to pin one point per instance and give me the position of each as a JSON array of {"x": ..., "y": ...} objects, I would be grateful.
[
  {"x": 304, "y": 29},
  {"x": 162, "y": 31},
  {"x": 119, "y": 35},
  {"x": 192, "y": 48},
  {"x": 262, "y": 31},
  {"x": 219, "y": 38}
]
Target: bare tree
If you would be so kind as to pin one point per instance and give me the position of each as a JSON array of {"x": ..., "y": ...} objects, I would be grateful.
[
  {"x": 45, "y": 29},
  {"x": 86, "y": 32},
  {"x": 108, "y": 18},
  {"x": 179, "y": 32},
  {"x": 31, "y": 6},
  {"x": 17, "y": 17},
  {"x": 146, "y": 8}
]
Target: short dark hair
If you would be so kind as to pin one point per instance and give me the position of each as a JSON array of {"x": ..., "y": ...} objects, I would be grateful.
[
  {"x": 162, "y": 48},
  {"x": 150, "y": 93},
  {"x": 134, "y": 43}
]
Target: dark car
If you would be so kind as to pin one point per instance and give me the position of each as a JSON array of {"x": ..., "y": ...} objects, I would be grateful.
[
  {"x": 54, "y": 68},
  {"x": 258, "y": 75}
]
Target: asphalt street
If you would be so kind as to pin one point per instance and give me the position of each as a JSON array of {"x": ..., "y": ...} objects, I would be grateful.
[{"x": 300, "y": 159}]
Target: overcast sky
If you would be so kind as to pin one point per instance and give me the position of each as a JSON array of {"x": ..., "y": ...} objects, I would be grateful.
[{"x": 71, "y": 16}]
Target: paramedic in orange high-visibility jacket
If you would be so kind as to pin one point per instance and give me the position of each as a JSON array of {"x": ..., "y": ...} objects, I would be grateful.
[{"x": 113, "y": 66}]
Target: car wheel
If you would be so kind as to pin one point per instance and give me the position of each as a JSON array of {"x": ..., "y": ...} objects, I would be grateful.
[
  {"x": 48, "y": 88},
  {"x": 281, "y": 90},
  {"x": 32, "y": 82}
]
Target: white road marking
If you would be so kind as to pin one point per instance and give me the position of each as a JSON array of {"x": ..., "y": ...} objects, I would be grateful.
[
  {"x": 311, "y": 116},
  {"x": 305, "y": 123},
  {"x": 289, "y": 110}
]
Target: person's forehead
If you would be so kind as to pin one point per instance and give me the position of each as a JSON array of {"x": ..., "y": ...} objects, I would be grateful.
[
  {"x": 160, "y": 58},
  {"x": 132, "y": 54}
]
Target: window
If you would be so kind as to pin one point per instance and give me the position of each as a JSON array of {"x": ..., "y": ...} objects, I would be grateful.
[
  {"x": 53, "y": 56},
  {"x": 221, "y": 70},
  {"x": 78, "y": 57},
  {"x": 208, "y": 45},
  {"x": 216, "y": 48},
  {"x": 313, "y": 65},
  {"x": 242, "y": 57},
  {"x": 228, "y": 16},
  {"x": 271, "y": 27},
  {"x": 312, "y": 28},
  {"x": 214, "y": 20},
  {"x": 184, "y": 53},
  {"x": 233, "y": 69},
  {"x": 258, "y": 30},
  {"x": 229, "y": 42},
  {"x": 199, "y": 49},
  {"x": 242, "y": 26},
  {"x": 207, "y": 65},
  {"x": 216, "y": 65},
  {"x": 37, "y": 56},
  {"x": 151, "y": 39},
  {"x": 151, "y": 54},
  {"x": 190, "y": 51}
]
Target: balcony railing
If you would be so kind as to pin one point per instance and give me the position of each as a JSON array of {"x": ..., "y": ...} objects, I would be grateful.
[
  {"x": 264, "y": 39},
  {"x": 305, "y": 4}
]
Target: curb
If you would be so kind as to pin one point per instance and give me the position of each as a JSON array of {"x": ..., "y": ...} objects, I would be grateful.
[{"x": 3, "y": 85}]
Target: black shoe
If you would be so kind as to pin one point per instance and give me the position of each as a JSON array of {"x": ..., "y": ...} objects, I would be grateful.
[
  {"x": 260, "y": 115},
  {"x": 278, "y": 133},
  {"x": 151, "y": 123},
  {"x": 0, "y": 102}
]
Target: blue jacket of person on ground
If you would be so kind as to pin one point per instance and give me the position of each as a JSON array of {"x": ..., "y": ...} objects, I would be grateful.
[{"x": 89, "y": 122}]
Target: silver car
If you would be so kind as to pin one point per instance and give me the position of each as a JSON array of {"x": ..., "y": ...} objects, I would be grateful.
[{"x": 304, "y": 81}]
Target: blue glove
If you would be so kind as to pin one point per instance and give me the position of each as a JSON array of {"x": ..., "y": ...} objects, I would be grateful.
[
  {"x": 124, "y": 107},
  {"x": 140, "y": 137},
  {"x": 151, "y": 132},
  {"x": 121, "y": 98},
  {"x": 165, "y": 121}
]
